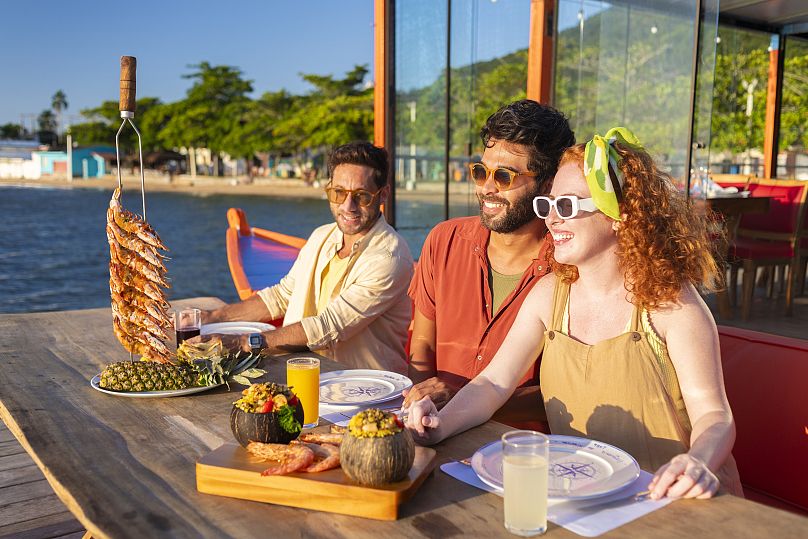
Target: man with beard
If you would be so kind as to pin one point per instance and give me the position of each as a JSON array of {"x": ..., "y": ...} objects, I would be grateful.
[
  {"x": 346, "y": 294},
  {"x": 474, "y": 273}
]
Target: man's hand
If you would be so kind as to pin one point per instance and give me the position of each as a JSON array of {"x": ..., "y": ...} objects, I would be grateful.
[
  {"x": 232, "y": 343},
  {"x": 436, "y": 389}
]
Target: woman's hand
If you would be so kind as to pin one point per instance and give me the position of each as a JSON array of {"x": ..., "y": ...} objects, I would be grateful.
[
  {"x": 685, "y": 476},
  {"x": 422, "y": 420}
]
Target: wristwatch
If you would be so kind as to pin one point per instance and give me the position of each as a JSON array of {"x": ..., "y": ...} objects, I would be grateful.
[{"x": 257, "y": 342}]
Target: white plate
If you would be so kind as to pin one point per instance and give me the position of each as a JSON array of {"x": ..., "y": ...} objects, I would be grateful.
[
  {"x": 236, "y": 328},
  {"x": 579, "y": 468},
  {"x": 361, "y": 386},
  {"x": 149, "y": 394}
]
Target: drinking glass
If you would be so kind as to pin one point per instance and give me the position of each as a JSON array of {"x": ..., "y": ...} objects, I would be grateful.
[
  {"x": 187, "y": 324},
  {"x": 525, "y": 458},
  {"x": 303, "y": 376}
]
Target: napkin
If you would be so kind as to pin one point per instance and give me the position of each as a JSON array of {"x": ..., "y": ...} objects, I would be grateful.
[
  {"x": 341, "y": 414},
  {"x": 589, "y": 518}
]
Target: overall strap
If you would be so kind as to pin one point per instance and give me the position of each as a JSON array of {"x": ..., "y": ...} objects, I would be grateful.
[{"x": 560, "y": 295}]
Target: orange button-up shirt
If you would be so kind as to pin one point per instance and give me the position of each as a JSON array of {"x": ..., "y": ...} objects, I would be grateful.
[{"x": 451, "y": 287}]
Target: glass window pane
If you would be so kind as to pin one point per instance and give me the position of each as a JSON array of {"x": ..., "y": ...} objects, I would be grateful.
[
  {"x": 739, "y": 101},
  {"x": 630, "y": 64},
  {"x": 420, "y": 117},
  {"x": 792, "y": 161},
  {"x": 489, "y": 69}
]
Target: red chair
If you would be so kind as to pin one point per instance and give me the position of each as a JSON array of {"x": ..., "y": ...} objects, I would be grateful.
[{"x": 773, "y": 238}]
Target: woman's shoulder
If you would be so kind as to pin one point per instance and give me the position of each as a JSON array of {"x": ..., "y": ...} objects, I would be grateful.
[{"x": 688, "y": 311}]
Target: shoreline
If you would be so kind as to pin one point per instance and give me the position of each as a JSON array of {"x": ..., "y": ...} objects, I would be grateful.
[{"x": 208, "y": 185}]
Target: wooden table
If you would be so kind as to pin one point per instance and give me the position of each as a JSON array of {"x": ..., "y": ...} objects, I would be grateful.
[{"x": 125, "y": 467}]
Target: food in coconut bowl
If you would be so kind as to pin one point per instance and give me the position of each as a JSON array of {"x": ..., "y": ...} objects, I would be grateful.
[
  {"x": 268, "y": 413},
  {"x": 374, "y": 450}
]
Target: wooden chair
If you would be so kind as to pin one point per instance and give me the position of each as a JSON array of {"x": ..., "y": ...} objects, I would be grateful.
[{"x": 773, "y": 238}]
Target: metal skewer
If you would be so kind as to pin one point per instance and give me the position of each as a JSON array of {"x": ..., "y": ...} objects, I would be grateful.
[{"x": 127, "y": 105}]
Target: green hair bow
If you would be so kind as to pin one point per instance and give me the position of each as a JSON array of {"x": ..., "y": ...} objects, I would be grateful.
[{"x": 599, "y": 154}]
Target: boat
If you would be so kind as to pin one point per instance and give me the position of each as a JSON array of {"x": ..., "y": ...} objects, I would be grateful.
[{"x": 257, "y": 257}]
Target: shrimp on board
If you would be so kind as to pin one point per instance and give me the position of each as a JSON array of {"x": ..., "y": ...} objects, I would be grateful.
[
  {"x": 285, "y": 459},
  {"x": 321, "y": 438},
  {"x": 326, "y": 457}
]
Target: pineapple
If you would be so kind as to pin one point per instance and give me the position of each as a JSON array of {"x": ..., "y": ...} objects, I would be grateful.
[
  {"x": 148, "y": 376},
  {"x": 196, "y": 366}
]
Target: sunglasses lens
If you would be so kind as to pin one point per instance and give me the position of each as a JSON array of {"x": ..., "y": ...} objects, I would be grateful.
[
  {"x": 337, "y": 196},
  {"x": 363, "y": 198},
  {"x": 502, "y": 178},
  {"x": 479, "y": 173},
  {"x": 542, "y": 206},
  {"x": 564, "y": 207}
]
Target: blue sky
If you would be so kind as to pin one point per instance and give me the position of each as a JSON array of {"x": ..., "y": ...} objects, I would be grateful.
[{"x": 47, "y": 45}]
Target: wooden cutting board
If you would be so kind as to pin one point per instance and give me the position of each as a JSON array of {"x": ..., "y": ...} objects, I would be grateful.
[{"x": 231, "y": 471}]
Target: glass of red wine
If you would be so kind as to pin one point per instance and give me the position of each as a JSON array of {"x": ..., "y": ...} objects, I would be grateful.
[{"x": 187, "y": 323}]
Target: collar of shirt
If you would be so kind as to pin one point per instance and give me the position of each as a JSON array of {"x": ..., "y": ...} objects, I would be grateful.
[
  {"x": 336, "y": 239},
  {"x": 477, "y": 235}
]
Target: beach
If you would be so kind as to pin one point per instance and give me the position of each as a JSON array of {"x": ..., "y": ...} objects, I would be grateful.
[{"x": 227, "y": 185}]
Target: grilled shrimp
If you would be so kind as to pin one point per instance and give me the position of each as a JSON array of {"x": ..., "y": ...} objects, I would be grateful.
[
  {"x": 287, "y": 458},
  {"x": 133, "y": 223},
  {"x": 321, "y": 438},
  {"x": 137, "y": 263},
  {"x": 326, "y": 457}
]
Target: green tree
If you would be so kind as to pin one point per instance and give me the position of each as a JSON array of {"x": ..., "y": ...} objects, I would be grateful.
[
  {"x": 334, "y": 112},
  {"x": 59, "y": 104},
  {"x": 11, "y": 131},
  {"x": 217, "y": 98}
]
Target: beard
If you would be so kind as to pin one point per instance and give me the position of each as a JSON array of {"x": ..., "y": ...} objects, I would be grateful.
[{"x": 517, "y": 213}]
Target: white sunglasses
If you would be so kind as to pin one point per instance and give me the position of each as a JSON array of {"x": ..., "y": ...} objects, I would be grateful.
[{"x": 566, "y": 206}]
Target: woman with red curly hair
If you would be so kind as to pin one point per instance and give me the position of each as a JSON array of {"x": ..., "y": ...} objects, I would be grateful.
[{"x": 631, "y": 352}]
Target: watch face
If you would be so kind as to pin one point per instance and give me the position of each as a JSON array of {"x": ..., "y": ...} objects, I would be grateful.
[{"x": 256, "y": 341}]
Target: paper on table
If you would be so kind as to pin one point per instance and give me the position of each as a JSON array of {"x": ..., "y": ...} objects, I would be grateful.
[
  {"x": 340, "y": 415},
  {"x": 594, "y": 517},
  {"x": 589, "y": 518}
]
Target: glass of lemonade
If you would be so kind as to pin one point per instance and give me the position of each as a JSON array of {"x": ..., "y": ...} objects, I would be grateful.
[
  {"x": 303, "y": 375},
  {"x": 525, "y": 458}
]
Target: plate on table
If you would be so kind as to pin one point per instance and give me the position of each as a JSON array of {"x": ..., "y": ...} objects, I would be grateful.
[
  {"x": 235, "y": 328},
  {"x": 149, "y": 394},
  {"x": 244, "y": 364},
  {"x": 361, "y": 386},
  {"x": 579, "y": 468}
]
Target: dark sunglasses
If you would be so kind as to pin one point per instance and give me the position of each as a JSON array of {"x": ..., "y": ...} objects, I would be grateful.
[
  {"x": 337, "y": 195},
  {"x": 503, "y": 177}
]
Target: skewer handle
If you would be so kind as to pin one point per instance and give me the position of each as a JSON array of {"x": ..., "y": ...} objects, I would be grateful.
[{"x": 128, "y": 84}]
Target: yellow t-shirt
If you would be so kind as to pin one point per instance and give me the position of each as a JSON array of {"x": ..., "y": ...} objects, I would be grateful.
[
  {"x": 501, "y": 287},
  {"x": 332, "y": 276}
]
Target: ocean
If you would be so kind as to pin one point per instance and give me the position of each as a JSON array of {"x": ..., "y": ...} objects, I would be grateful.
[{"x": 54, "y": 254}]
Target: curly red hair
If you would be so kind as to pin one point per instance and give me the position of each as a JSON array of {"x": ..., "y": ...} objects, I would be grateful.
[{"x": 661, "y": 243}]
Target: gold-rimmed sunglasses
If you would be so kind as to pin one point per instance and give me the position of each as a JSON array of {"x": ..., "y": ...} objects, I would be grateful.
[
  {"x": 503, "y": 177},
  {"x": 338, "y": 195}
]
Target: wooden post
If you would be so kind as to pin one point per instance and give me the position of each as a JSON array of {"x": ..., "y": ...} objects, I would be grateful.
[
  {"x": 540, "y": 51},
  {"x": 384, "y": 93},
  {"x": 379, "y": 61},
  {"x": 773, "y": 97}
]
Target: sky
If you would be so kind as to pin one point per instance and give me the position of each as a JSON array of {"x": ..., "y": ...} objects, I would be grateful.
[{"x": 47, "y": 45}]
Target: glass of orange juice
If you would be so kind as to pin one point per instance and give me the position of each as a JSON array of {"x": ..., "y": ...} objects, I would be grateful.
[{"x": 303, "y": 376}]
